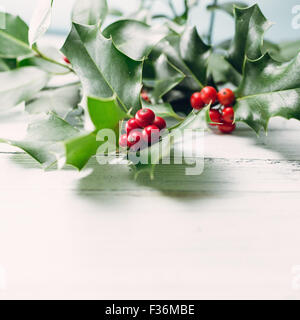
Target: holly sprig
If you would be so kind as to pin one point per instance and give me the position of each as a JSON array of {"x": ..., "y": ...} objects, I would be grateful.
[{"x": 109, "y": 64}]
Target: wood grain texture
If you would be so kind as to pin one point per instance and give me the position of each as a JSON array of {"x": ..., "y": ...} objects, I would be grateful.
[{"x": 232, "y": 232}]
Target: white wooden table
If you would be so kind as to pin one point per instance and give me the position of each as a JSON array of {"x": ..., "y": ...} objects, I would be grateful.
[{"x": 232, "y": 232}]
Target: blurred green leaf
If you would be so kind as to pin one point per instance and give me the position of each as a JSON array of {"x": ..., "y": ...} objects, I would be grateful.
[
  {"x": 20, "y": 85},
  {"x": 14, "y": 38}
]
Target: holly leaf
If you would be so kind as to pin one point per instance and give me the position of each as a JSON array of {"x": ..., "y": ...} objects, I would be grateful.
[
  {"x": 14, "y": 38},
  {"x": 135, "y": 38},
  {"x": 105, "y": 113},
  {"x": 52, "y": 140},
  {"x": 61, "y": 101},
  {"x": 268, "y": 89},
  {"x": 166, "y": 77},
  {"x": 222, "y": 71},
  {"x": 20, "y": 85},
  {"x": 90, "y": 12},
  {"x": 189, "y": 54},
  {"x": 250, "y": 27},
  {"x": 40, "y": 21},
  {"x": 104, "y": 71},
  {"x": 43, "y": 139},
  {"x": 227, "y": 7}
]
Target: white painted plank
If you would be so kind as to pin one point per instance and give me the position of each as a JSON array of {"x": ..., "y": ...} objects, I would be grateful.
[{"x": 71, "y": 235}]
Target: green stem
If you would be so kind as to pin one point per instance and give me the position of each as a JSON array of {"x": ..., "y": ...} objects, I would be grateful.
[
  {"x": 212, "y": 24},
  {"x": 42, "y": 56}
]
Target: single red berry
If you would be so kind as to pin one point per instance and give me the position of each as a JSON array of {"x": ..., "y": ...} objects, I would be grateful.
[
  {"x": 160, "y": 123},
  {"x": 66, "y": 60},
  {"x": 196, "y": 101},
  {"x": 228, "y": 115},
  {"x": 134, "y": 137},
  {"x": 226, "y": 97},
  {"x": 131, "y": 125},
  {"x": 209, "y": 95},
  {"x": 145, "y": 117},
  {"x": 215, "y": 117},
  {"x": 123, "y": 142},
  {"x": 145, "y": 96},
  {"x": 151, "y": 134},
  {"x": 227, "y": 127}
]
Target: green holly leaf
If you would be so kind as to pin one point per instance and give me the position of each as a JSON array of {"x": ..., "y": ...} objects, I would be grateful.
[
  {"x": 250, "y": 27},
  {"x": 52, "y": 141},
  {"x": 189, "y": 54},
  {"x": 268, "y": 89},
  {"x": 43, "y": 139},
  {"x": 79, "y": 150},
  {"x": 228, "y": 7},
  {"x": 20, "y": 85},
  {"x": 90, "y": 12},
  {"x": 105, "y": 113},
  {"x": 166, "y": 77},
  {"x": 60, "y": 101},
  {"x": 40, "y": 21},
  {"x": 135, "y": 38},
  {"x": 14, "y": 38},
  {"x": 222, "y": 71},
  {"x": 104, "y": 71}
]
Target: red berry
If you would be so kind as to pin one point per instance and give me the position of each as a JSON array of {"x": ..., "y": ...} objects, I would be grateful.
[
  {"x": 196, "y": 101},
  {"x": 145, "y": 117},
  {"x": 227, "y": 127},
  {"x": 160, "y": 123},
  {"x": 151, "y": 134},
  {"x": 215, "y": 117},
  {"x": 209, "y": 95},
  {"x": 226, "y": 97},
  {"x": 228, "y": 115},
  {"x": 145, "y": 96},
  {"x": 123, "y": 141},
  {"x": 66, "y": 60},
  {"x": 131, "y": 125},
  {"x": 134, "y": 137}
]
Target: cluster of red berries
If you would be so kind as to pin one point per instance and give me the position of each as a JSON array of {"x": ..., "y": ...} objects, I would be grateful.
[
  {"x": 221, "y": 115},
  {"x": 144, "y": 129}
]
